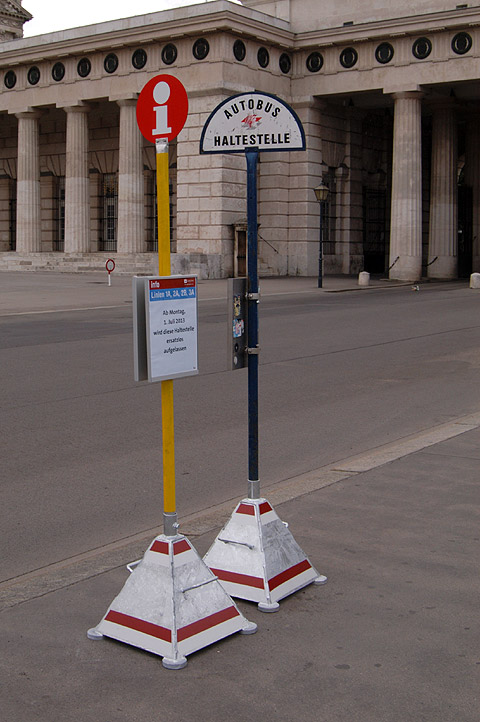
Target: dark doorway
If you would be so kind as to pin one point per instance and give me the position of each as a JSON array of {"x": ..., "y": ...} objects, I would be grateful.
[
  {"x": 465, "y": 240},
  {"x": 374, "y": 230}
]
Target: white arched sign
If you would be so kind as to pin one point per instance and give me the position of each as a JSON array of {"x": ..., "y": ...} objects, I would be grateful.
[{"x": 252, "y": 120}]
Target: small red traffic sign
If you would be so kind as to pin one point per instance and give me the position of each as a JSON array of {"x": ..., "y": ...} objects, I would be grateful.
[
  {"x": 162, "y": 108},
  {"x": 110, "y": 265}
]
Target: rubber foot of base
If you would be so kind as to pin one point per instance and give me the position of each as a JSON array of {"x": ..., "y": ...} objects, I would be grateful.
[
  {"x": 268, "y": 606},
  {"x": 250, "y": 628},
  {"x": 321, "y": 579},
  {"x": 93, "y": 634},
  {"x": 178, "y": 663}
]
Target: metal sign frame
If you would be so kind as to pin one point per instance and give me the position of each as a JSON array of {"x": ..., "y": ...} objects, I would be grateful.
[{"x": 151, "y": 327}]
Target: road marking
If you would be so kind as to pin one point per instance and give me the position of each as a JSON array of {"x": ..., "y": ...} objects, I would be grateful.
[
  {"x": 61, "y": 310},
  {"x": 119, "y": 553}
]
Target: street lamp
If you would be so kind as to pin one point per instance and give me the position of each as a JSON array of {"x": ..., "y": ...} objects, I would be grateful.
[{"x": 321, "y": 194}]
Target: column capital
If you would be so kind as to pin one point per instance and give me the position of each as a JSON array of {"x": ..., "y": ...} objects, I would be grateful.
[
  {"x": 32, "y": 113},
  {"x": 77, "y": 108},
  {"x": 307, "y": 101},
  {"x": 342, "y": 172},
  {"x": 126, "y": 102},
  {"x": 408, "y": 95}
]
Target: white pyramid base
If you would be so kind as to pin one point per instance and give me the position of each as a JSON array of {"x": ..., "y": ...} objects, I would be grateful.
[
  {"x": 256, "y": 557},
  {"x": 171, "y": 605}
]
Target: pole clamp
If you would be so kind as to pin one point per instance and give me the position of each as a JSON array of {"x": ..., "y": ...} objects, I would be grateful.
[
  {"x": 253, "y": 351},
  {"x": 253, "y": 296}
]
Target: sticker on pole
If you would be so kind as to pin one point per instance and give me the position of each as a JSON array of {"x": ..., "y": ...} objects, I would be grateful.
[
  {"x": 162, "y": 108},
  {"x": 252, "y": 120},
  {"x": 171, "y": 327}
]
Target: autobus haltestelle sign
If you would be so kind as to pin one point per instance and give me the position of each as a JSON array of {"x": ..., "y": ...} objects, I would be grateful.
[{"x": 252, "y": 120}]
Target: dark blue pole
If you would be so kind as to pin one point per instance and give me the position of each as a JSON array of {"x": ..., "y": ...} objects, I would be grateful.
[
  {"x": 252, "y": 270},
  {"x": 320, "y": 248}
]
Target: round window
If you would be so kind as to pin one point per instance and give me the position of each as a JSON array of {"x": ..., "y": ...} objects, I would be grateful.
[
  {"x": 84, "y": 67},
  {"x": 169, "y": 54},
  {"x": 285, "y": 63},
  {"x": 348, "y": 57},
  {"x": 422, "y": 48},
  {"x": 263, "y": 57},
  {"x": 139, "y": 59},
  {"x": 10, "y": 79},
  {"x": 314, "y": 62},
  {"x": 58, "y": 71},
  {"x": 110, "y": 63},
  {"x": 33, "y": 75},
  {"x": 200, "y": 49},
  {"x": 461, "y": 43},
  {"x": 384, "y": 53},
  {"x": 239, "y": 50}
]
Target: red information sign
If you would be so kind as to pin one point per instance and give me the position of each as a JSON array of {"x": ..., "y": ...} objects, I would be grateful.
[{"x": 162, "y": 108}]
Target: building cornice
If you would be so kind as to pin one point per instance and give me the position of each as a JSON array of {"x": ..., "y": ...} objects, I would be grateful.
[
  {"x": 220, "y": 15},
  {"x": 413, "y": 25}
]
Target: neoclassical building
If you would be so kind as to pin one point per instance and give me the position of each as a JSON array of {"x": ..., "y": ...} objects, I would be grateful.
[{"x": 388, "y": 94}]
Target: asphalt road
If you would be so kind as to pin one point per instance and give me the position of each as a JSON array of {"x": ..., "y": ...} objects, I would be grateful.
[{"x": 340, "y": 374}]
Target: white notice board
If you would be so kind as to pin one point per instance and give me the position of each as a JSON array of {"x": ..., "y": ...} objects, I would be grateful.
[{"x": 171, "y": 327}]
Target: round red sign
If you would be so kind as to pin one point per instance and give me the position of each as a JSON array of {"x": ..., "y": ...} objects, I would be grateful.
[
  {"x": 110, "y": 265},
  {"x": 162, "y": 108}
]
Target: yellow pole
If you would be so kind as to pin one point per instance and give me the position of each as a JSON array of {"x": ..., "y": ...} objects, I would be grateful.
[{"x": 164, "y": 269}]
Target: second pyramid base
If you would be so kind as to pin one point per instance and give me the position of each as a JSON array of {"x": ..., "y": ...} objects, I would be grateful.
[{"x": 255, "y": 557}]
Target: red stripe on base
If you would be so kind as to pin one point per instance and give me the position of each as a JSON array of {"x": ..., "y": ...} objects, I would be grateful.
[
  {"x": 139, "y": 625},
  {"x": 160, "y": 547},
  {"x": 289, "y": 574},
  {"x": 265, "y": 507},
  {"x": 246, "y": 509},
  {"x": 181, "y": 546},
  {"x": 236, "y": 578},
  {"x": 207, "y": 623}
]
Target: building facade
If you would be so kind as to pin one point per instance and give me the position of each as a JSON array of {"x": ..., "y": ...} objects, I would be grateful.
[{"x": 388, "y": 97}]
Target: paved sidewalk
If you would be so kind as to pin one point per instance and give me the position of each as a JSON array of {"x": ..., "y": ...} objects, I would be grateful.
[
  {"x": 392, "y": 637},
  {"x": 24, "y": 292}
]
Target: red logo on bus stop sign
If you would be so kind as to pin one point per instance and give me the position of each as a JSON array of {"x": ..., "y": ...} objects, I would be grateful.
[{"x": 162, "y": 108}]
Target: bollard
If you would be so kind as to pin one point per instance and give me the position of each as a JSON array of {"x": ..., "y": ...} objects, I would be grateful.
[
  {"x": 475, "y": 280},
  {"x": 363, "y": 278}
]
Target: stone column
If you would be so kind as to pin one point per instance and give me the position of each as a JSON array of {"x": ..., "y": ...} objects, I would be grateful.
[
  {"x": 131, "y": 202},
  {"x": 472, "y": 179},
  {"x": 343, "y": 206},
  {"x": 28, "y": 184},
  {"x": 406, "y": 218},
  {"x": 77, "y": 184},
  {"x": 442, "y": 242}
]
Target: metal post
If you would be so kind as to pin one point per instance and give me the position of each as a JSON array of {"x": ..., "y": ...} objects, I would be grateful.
[
  {"x": 252, "y": 267},
  {"x": 321, "y": 194},
  {"x": 320, "y": 247},
  {"x": 170, "y": 524}
]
